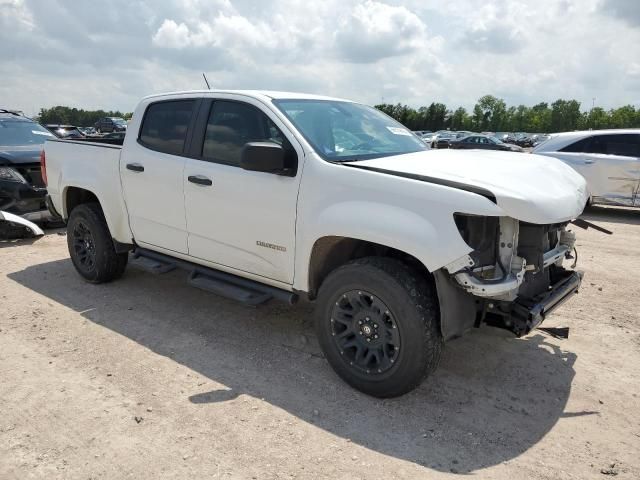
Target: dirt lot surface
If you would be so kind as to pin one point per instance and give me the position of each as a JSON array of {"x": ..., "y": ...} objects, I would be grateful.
[{"x": 149, "y": 378}]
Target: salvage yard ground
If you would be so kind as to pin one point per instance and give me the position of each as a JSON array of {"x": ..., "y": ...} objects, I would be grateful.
[{"x": 149, "y": 378}]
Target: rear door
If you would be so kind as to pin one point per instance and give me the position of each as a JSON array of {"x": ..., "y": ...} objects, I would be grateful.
[
  {"x": 240, "y": 219},
  {"x": 151, "y": 168},
  {"x": 611, "y": 165}
]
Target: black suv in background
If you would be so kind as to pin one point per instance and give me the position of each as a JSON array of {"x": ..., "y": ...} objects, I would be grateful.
[
  {"x": 22, "y": 189},
  {"x": 111, "y": 124}
]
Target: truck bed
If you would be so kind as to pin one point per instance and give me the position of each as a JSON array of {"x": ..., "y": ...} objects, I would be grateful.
[{"x": 87, "y": 165}]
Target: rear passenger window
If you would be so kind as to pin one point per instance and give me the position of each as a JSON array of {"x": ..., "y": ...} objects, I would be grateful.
[
  {"x": 165, "y": 125},
  {"x": 233, "y": 124},
  {"x": 627, "y": 145},
  {"x": 576, "y": 147}
]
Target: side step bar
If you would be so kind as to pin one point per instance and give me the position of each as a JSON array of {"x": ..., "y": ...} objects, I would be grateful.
[
  {"x": 223, "y": 284},
  {"x": 152, "y": 265}
]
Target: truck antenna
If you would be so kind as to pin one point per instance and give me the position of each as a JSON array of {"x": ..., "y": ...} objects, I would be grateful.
[{"x": 205, "y": 80}]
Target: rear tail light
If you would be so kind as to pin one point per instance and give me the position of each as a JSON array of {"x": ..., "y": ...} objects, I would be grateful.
[{"x": 43, "y": 167}]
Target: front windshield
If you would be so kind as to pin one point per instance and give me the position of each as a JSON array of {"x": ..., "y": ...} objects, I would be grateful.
[
  {"x": 344, "y": 131},
  {"x": 119, "y": 121},
  {"x": 21, "y": 132},
  {"x": 496, "y": 140}
]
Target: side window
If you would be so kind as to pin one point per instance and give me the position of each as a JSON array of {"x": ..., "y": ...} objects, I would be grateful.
[
  {"x": 577, "y": 147},
  {"x": 233, "y": 124},
  {"x": 626, "y": 145},
  {"x": 165, "y": 125}
]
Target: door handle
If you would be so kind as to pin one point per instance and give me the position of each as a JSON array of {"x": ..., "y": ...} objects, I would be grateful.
[
  {"x": 589, "y": 162},
  {"x": 200, "y": 180},
  {"x": 135, "y": 167}
]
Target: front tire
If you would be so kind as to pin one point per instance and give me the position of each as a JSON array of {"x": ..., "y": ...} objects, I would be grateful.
[
  {"x": 377, "y": 323},
  {"x": 91, "y": 246}
]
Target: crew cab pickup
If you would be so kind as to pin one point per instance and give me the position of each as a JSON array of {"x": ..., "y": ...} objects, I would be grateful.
[{"x": 263, "y": 195}]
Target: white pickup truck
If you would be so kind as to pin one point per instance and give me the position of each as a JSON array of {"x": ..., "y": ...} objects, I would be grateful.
[{"x": 263, "y": 195}]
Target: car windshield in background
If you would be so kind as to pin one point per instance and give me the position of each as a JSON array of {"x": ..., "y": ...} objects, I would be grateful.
[
  {"x": 21, "y": 132},
  {"x": 345, "y": 131},
  {"x": 119, "y": 121},
  {"x": 496, "y": 140}
]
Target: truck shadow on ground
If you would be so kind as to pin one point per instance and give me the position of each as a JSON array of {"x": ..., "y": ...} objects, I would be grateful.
[{"x": 492, "y": 398}]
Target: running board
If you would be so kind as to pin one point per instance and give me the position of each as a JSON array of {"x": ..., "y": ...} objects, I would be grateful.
[
  {"x": 152, "y": 265},
  {"x": 220, "y": 283},
  {"x": 228, "y": 289}
]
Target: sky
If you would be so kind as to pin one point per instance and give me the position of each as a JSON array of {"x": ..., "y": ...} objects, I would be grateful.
[{"x": 109, "y": 54}]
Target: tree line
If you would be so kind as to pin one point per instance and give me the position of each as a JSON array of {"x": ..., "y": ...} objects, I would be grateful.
[
  {"x": 489, "y": 114},
  {"x": 492, "y": 114},
  {"x": 75, "y": 116}
]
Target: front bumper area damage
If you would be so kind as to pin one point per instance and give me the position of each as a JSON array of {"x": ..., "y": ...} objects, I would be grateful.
[
  {"x": 23, "y": 192},
  {"x": 10, "y": 223},
  {"x": 515, "y": 272},
  {"x": 527, "y": 314}
]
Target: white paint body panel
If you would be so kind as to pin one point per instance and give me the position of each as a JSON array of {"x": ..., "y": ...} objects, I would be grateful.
[
  {"x": 225, "y": 221},
  {"x": 222, "y": 224},
  {"x": 94, "y": 167},
  {"x": 531, "y": 188}
]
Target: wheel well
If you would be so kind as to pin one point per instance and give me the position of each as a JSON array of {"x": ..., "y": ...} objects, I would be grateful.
[
  {"x": 75, "y": 196},
  {"x": 331, "y": 252}
]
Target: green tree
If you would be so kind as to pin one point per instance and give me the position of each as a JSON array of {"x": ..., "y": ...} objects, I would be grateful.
[
  {"x": 74, "y": 116},
  {"x": 489, "y": 113},
  {"x": 565, "y": 115},
  {"x": 460, "y": 120},
  {"x": 624, "y": 117},
  {"x": 492, "y": 114}
]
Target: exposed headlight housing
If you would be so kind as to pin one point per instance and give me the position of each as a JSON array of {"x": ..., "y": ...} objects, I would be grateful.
[{"x": 11, "y": 175}]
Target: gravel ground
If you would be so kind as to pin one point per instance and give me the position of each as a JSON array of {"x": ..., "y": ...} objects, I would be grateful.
[{"x": 149, "y": 378}]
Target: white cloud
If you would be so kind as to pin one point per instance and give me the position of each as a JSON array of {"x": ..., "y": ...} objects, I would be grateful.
[
  {"x": 374, "y": 30},
  {"x": 15, "y": 12},
  {"x": 109, "y": 54},
  {"x": 172, "y": 35}
]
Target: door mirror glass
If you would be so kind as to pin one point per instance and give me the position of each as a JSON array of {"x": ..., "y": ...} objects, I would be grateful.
[{"x": 263, "y": 157}]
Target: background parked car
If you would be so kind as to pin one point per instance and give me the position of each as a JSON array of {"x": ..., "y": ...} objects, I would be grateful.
[
  {"x": 88, "y": 130},
  {"x": 483, "y": 142},
  {"x": 422, "y": 133},
  {"x": 65, "y": 131},
  {"x": 111, "y": 124},
  {"x": 22, "y": 190},
  {"x": 114, "y": 136},
  {"x": 441, "y": 139},
  {"x": 608, "y": 159},
  {"x": 462, "y": 134}
]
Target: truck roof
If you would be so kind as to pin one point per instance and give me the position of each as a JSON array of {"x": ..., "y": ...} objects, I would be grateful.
[{"x": 261, "y": 94}]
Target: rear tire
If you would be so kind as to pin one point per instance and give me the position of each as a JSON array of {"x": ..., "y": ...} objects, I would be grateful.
[
  {"x": 377, "y": 323},
  {"x": 91, "y": 246}
]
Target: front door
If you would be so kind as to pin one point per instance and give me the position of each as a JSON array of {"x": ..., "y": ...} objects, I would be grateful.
[
  {"x": 240, "y": 219},
  {"x": 151, "y": 168}
]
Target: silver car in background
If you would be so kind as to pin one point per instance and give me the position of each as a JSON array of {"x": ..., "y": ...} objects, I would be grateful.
[{"x": 608, "y": 159}]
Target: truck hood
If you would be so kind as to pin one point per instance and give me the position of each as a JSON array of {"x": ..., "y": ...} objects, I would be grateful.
[
  {"x": 11, "y": 155},
  {"x": 531, "y": 188}
]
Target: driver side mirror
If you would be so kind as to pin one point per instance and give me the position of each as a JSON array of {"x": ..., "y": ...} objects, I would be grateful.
[{"x": 263, "y": 157}]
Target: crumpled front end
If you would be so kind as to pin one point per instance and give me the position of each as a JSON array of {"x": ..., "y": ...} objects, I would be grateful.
[{"x": 516, "y": 271}]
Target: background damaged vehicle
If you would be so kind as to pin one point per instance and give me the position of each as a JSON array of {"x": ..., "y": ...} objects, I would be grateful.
[
  {"x": 282, "y": 195},
  {"x": 609, "y": 160},
  {"x": 22, "y": 189}
]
